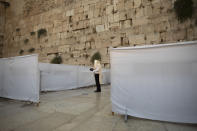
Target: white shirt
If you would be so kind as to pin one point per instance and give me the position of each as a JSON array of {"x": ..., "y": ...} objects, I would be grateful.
[{"x": 96, "y": 70}]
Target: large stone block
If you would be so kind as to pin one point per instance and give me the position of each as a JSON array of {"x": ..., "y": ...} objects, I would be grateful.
[
  {"x": 127, "y": 23},
  {"x": 116, "y": 17},
  {"x": 137, "y": 3},
  {"x": 179, "y": 35},
  {"x": 137, "y": 39},
  {"x": 97, "y": 20},
  {"x": 100, "y": 28},
  {"x": 109, "y": 9},
  {"x": 110, "y": 18},
  {"x": 147, "y": 28},
  {"x": 148, "y": 10},
  {"x": 153, "y": 38},
  {"x": 64, "y": 48},
  {"x": 139, "y": 12},
  {"x": 130, "y": 13},
  {"x": 122, "y": 15},
  {"x": 140, "y": 21}
]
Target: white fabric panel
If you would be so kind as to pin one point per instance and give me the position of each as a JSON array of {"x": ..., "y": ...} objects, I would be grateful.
[
  {"x": 156, "y": 82},
  {"x": 19, "y": 78},
  {"x": 56, "y": 77},
  {"x": 106, "y": 76},
  {"x": 85, "y": 77}
]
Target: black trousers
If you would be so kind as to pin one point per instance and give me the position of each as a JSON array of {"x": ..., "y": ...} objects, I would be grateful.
[{"x": 97, "y": 82}]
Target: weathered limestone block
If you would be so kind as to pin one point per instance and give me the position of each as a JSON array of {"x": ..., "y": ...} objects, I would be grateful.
[
  {"x": 90, "y": 14},
  {"x": 162, "y": 27},
  {"x": 167, "y": 4},
  {"x": 137, "y": 3},
  {"x": 86, "y": 23},
  {"x": 109, "y": 9},
  {"x": 114, "y": 25},
  {"x": 87, "y": 45},
  {"x": 116, "y": 17},
  {"x": 156, "y": 9},
  {"x": 78, "y": 10},
  {"x": 195, "y": 33},
  {"x": 130, "y": 13},
  {"x": 139, "y": 12},
  {"x": 137, "y": 39},
  {"x": 57, "y": 29},
  {"x": 97, "y": 12},
  {"x": 97, "y": 20},
  {"x": 63, "y": 35},
  {"x": 122, "y": 15},
  {"x": 124, "y": 41},
  {"x": 80, "y": 25},
  {"x": 179, "y": 35},
  {"x": 50, "y": 50},
  {"x": 86, "y": 8},
  {"x": 129, "y": 4},
  {"x": 105, "y": 59},
  {"x": 127, "y": 23},
  {"x": 82, "y": 38},
  {"x": 100, "y": 28},
  {"x": 111, "y": 18},
  {"x": 103, "y": 51},
  {"x": 80, "y": 47},
  {"x": 148, "y": 28},
  {"x": 115, "y": 2},
  {"x": 146, "y": 2},
  {"x": 153, "y": 38},
  {"x": 140, "y": 21},
  {"x": 116, "y": 41},
  {"x": 76, "y": 54},
  {"x": 93, "y": 45},
  {"x": 121, "y": 6},
  {"x": 64, "y": 48},
  {"x": 148, "y": 10}
]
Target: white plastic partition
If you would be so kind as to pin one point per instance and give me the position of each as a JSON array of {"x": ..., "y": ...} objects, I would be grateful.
[
  {"x": 56, "y": 77},
  {"x": 156, "y": 82},
  {"x": 19, "y": 78}
]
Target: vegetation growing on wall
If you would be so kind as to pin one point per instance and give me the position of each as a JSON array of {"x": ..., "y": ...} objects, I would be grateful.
[
  {"x": 196, "y": 22},
  {"x": 184, "y": 9},
  {"x": 57, "y": 60},
  {"x": 32, "y": 33},
  {"x": 26, "y": 41},
  {"x": 96, "y": 56},
  {"x": 17, "y": 29},
  {"x": 31, "y": 50},
  {"x": 42, "y": 32},
  {"x": 21, "y": 52}
]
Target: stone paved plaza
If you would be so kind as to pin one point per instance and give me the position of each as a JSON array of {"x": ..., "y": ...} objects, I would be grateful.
[{"x": 75, "y": 110}]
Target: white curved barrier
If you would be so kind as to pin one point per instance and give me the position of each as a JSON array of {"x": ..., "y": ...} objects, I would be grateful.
[
  {"x": 55, "y": 77},
  {"x": 19, "y": 78},
  {"x": 157, "y": 82}
]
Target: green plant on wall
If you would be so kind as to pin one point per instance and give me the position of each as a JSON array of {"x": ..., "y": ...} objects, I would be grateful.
[
  {"x": 31, "y": 50},
  {"x": 32, "y": 33},
  {"x": 96, "y": 56},
  {"x": 21, "y": 51},
  {"x": 57, "y": 60},
  {"x": 42, "y": 32},
  {"x": 17, "y": 29},
  {"x": 184, "y": 9},
  {"x": 26, "y": 41}
]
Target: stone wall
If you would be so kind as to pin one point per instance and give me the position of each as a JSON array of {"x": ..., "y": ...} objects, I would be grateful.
[
  {"x": 2, "y": 25},
  {"x": 76, "y": 29}
]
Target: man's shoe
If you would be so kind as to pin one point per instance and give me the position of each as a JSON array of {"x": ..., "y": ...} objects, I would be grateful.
[{"x": 97, "y": 91}]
